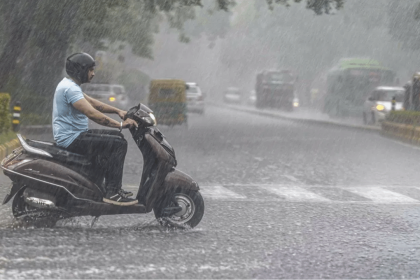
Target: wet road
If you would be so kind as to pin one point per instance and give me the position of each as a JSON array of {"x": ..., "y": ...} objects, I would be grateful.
[{"x": 283, "y": 200}]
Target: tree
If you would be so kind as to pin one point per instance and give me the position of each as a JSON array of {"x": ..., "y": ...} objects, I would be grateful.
[{"x": 39, "y": 34}]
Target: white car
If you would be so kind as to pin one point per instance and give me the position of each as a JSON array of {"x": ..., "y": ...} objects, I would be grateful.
[
  {"x": 378, "y": 104},
  {"x": 195, "y": 98},
  {"x": 111, "y": 94}
]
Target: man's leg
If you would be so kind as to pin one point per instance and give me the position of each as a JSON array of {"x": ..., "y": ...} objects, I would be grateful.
[
  {"x": 118, "y": 134},
  {"x": 114, "y": 149}
]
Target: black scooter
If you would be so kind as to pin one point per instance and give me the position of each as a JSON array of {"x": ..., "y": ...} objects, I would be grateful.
[{"x": 50, "y": 183}]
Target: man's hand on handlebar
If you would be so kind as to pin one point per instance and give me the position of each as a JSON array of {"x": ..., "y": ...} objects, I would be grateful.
[
  {"x": 122, "y": 114},
  {"x": 129, "y": 123}
]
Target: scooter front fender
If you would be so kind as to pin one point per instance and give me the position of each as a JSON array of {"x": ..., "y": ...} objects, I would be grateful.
[
  {"x": 13, "y": 190},
  {"x": 178, "y": 180}
]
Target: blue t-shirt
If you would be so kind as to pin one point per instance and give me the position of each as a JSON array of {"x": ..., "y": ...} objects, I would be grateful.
[{"x": 67, "y": 121}]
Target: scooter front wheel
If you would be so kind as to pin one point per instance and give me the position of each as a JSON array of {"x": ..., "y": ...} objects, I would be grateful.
[{"x": 191, "y": 204}]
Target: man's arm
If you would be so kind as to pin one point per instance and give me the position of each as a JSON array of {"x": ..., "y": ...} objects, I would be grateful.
[
  {"x": 100, "y": 106},
  {"x": 86, "y": 108}
]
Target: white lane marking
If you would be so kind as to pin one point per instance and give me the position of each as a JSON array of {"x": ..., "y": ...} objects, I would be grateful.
[
  {"x": 380, "y": 195},
  {"x": 294, "y": 193},
  {"x": 375, "y": 194},
  {"x": 219, "y": 192}
]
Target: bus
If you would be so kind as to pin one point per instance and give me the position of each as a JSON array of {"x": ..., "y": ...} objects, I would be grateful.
[{"x": 349, "y": 83}]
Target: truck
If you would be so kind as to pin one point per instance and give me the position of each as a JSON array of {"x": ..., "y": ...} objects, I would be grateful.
[{"x": 275, "y": 89}]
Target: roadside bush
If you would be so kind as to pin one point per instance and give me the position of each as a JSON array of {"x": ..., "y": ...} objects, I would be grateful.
[
  {"x": 5, "y": 119},
  {"x": 404, "y": 117},
  {"x": 6, "y": 137}
]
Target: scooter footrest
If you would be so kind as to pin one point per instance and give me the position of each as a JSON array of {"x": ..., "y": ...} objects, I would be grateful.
[{"x": 94, "y": 208}]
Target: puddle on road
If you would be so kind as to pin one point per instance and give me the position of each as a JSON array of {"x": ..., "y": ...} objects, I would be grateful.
[
  {"x": 110, "y": 223},
  {"x": 114, "y": 224},
  {"x": 103, "y": 224}
]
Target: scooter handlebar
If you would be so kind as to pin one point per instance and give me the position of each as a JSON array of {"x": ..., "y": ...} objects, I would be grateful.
[{"x": 131, "y": 112}]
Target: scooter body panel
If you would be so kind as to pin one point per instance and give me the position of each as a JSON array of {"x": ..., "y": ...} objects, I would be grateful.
[
  {"x": 53, "y": 178},
  {"x": 178, "y": 180},
  {"x": 157, "y": 164}
]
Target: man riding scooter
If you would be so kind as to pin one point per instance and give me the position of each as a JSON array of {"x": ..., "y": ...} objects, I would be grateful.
[{"x": 71, "y": 110}]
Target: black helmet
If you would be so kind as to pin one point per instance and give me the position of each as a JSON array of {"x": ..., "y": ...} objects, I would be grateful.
[{"x": 78, "y": 65}]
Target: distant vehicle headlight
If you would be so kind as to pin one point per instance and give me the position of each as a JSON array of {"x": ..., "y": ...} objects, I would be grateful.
[
  {"x": 380, "y": 107},
  {"x": 112, "y": 99},
  {"x": 295, "y": 104}
]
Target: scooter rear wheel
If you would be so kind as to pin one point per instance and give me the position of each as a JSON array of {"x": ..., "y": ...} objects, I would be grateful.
[
  {"x": 29, "y": 215},
  {"x": 192, "y": 212}
]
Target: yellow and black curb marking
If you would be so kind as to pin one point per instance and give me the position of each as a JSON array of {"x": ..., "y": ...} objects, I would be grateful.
[
  {"x": 7, "y": 148},
  {"x": 16, "y": 116},
  {"x": 404, "y": 132}
]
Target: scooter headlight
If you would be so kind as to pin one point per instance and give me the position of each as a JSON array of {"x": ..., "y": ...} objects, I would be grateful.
[
  {"x": 152, "y": 116},
  {"x": 150, "y": 119}
]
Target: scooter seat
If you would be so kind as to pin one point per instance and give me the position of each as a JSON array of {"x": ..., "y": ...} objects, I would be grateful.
[{"x": 58, "y": 153}]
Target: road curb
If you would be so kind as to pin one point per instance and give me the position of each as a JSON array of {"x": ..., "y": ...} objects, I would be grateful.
[
  {"x": 406, "y": 133},
  {"x": 302, "y": 120}
]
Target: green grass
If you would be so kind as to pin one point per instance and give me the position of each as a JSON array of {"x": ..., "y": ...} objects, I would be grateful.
[{"x": 6, "y": 137}]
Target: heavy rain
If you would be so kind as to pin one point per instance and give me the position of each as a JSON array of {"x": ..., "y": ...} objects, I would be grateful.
[{"x": 209, "y": 139}]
